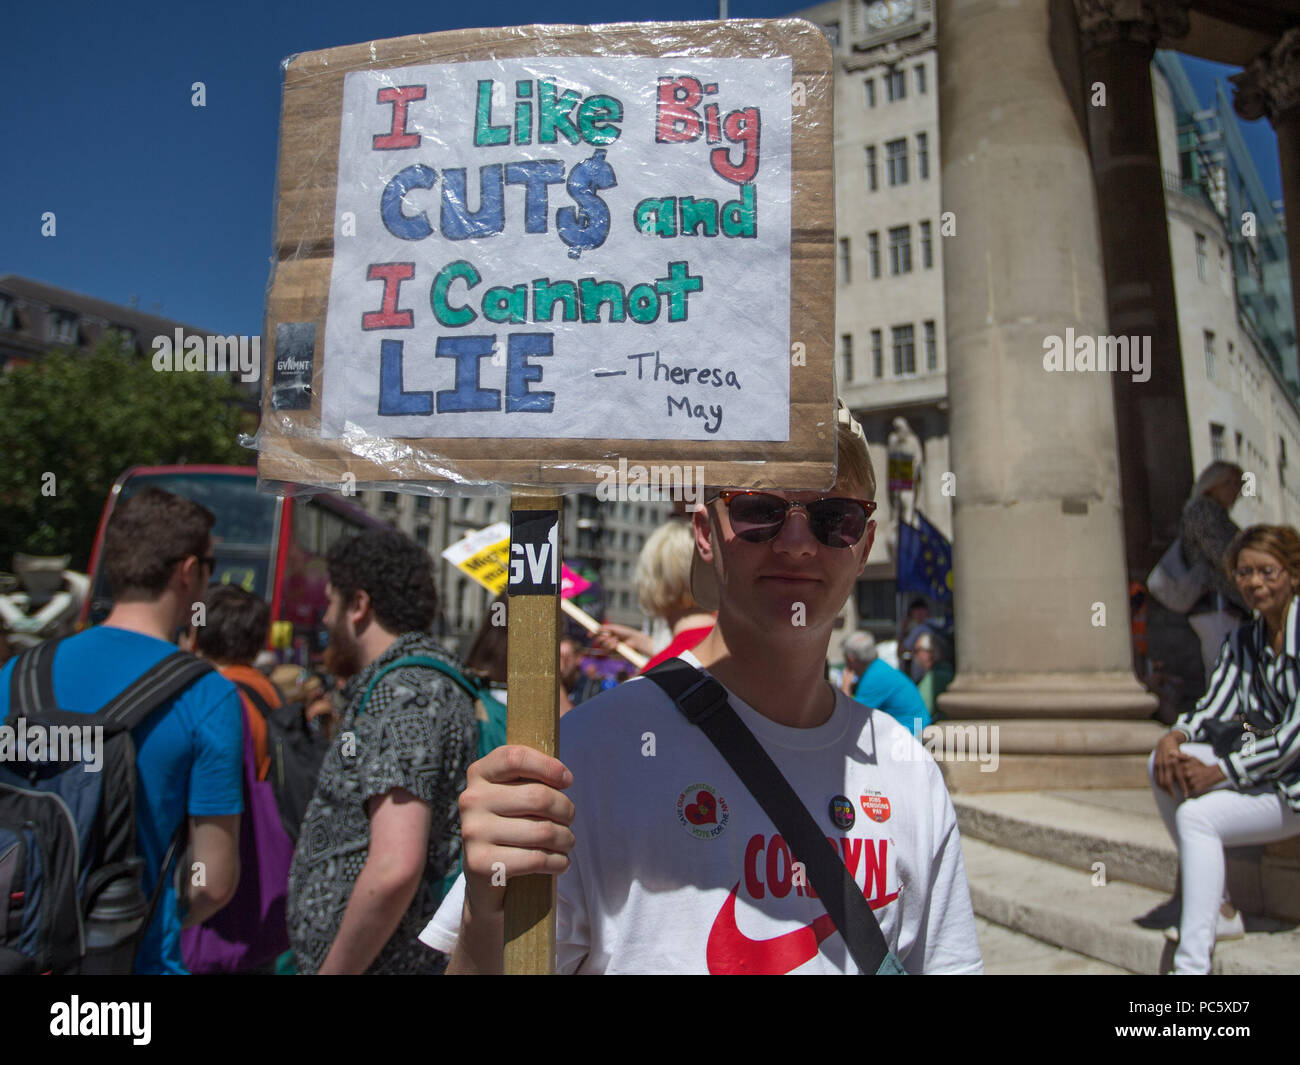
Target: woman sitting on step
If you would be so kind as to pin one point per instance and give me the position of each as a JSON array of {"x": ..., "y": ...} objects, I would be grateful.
[{"x": 1228, "y": 772}]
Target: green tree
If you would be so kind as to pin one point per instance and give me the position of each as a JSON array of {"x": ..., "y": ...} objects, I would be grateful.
[{"x": 84, "y": 418}]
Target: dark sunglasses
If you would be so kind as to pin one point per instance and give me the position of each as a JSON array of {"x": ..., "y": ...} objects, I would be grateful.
[{"x": 835, "y": 522}]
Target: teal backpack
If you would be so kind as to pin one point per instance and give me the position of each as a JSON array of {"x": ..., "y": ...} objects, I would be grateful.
[{"x": 489, "y": 713}]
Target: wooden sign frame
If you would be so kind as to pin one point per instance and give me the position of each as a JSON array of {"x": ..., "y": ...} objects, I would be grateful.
[{"x": 290, "y": 446}]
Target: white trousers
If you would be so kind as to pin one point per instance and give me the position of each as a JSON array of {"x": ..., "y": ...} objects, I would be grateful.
[{"x": 1202, "y": 827}]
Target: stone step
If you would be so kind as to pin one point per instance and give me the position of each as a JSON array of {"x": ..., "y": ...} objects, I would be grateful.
[
  {"x": 1069, "y": 908},
  {"x": 1121, "y": 829},
  {"x": 1077, "y": 829},
  {"x": 1008, "y": 953}
]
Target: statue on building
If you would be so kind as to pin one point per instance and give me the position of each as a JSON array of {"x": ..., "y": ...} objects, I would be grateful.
[{"x": 906, "y": 457}]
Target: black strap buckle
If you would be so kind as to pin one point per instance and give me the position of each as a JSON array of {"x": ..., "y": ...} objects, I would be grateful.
[{"x": 702, "y": 700}]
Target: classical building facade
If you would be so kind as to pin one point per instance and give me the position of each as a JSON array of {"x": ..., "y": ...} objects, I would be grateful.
[
  {"x": 1234, "y": 303},
  {"x": 891, "y": 238},
  {"x": 1041, "y": 118},
  {"x": 891, "y": 360}
]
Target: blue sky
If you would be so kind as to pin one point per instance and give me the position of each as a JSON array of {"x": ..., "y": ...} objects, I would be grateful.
[{"x": 172, "y": 204}]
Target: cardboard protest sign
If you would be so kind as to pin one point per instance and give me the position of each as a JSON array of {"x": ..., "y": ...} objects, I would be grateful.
[{"x": 519, "y": 255}]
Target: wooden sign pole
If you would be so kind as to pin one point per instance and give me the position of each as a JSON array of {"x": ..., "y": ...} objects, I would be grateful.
[{"x": 533, "y": 720}]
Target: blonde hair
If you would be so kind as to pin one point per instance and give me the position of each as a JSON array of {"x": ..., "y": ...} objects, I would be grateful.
[
  {"x": 1215, "y": 474},
  {"x": 663, "y": 570},
  {"x": 853, "y": 460}
]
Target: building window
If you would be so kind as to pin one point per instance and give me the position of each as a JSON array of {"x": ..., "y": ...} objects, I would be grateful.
[
  {"x": 877, "y": 355},
  {"x": 846, "y": 353},
  {"x": 895, "y": 84},
  {"x": 63, "y": 328},
  {"x": 931, "y": 352},
  {"x": 1216, "y": 443},
  {"x": 920, "y": 80},
  {"x": 422, "y": 536},
  {"x": 927, "y": 248},
  {"x": 390, "y": 499},
  {"x": 1281, "y": 461},
  {"x": 1209, "y": 355},
  {"x": 871, "y": 92},
  {"x": 871, "y": 168},
  {"x": 125, "y": 339},
  {"x": 873, "y": 253},
  {"x": 422, "y": 504},
  {"x": 904, "y": 350},
  {"x": 923, "y": 156},
  {"x": 900, "y": 250},
  {"x": 1238, "y": 445},
  {"x": 1200, "y": 256},
  {"x": 845, "y": 274},
  {"x": 896, "y": 161},
  {"x": 6, "y": 312}
]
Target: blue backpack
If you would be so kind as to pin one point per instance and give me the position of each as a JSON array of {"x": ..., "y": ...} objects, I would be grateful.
[{"x": 71, "y": 888}]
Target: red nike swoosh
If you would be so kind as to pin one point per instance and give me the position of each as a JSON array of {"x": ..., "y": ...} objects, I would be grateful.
[{"x": 732, "y": 953}]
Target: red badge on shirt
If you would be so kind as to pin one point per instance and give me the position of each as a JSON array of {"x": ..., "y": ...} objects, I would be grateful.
[{"x": 875, "y": 806}]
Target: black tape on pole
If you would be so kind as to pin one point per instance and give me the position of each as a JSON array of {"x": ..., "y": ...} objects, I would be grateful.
[{"x": 534, "y": 552}]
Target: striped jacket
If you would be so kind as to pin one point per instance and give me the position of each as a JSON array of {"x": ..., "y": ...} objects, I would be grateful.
[{"x": 1249, "y": 675}]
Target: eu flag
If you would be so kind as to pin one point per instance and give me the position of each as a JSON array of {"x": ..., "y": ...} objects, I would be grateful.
[{"x": 924, "y": 560}]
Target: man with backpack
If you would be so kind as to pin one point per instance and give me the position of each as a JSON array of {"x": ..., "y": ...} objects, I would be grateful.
[
  {"x": 729, "y": 812},
  {"x": 382, "y": 833},
  {"x": 170, "y": 716}
]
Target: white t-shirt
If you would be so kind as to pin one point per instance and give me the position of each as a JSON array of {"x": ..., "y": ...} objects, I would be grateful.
[{"x": 676, "y": 869}]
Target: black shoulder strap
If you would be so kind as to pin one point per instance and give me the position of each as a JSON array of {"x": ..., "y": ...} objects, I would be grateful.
[
  {"x": 703, "y": 701},
  {"x": 31, "y": 686},
  {"x": 164, "y": 681},
  {"x": 31, "y": 689},
  {"x": 31, "y": 683},
  {"x": 256, "y": 697}
]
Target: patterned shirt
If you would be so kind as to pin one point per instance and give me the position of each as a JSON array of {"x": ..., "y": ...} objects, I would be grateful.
[
  {"x": 417, "y": 732},
  {"x": 1250, "y": 676}
]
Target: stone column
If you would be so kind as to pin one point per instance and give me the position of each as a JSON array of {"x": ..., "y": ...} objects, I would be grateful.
[
  {"x": 1118, "y": 40},
  {"x": 1270, "y": 86},
  {"x": 1041, "y": 598}
]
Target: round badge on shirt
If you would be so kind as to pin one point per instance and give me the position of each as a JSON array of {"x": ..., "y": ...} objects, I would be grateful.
[{"x": 842, "y": 812}]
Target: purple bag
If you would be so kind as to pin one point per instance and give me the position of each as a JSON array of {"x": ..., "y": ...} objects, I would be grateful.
[{"x": 251, "y": 929}]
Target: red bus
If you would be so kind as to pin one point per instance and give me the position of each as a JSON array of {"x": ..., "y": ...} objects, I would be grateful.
[{"x": 271, "y": 545}]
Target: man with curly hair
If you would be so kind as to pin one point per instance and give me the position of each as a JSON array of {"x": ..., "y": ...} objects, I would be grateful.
[{"x": 382, "y": 831}]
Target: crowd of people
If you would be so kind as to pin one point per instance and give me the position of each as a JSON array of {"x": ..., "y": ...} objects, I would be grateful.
[{"x": 361, "y": 824}]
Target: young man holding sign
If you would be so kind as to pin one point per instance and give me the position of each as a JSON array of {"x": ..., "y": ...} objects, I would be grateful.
[{"x": 670, "y": 863}]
